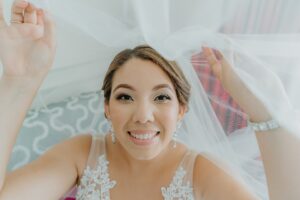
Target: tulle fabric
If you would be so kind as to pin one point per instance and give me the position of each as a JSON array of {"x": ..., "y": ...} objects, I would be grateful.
[{"x": 263, "y": 49}]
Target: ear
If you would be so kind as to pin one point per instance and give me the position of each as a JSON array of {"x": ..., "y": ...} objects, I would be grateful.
[
  {"x": 107, "y": 111},
  {"x": 181, "y": 112}
]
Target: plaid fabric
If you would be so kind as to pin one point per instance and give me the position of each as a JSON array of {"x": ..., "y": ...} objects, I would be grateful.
[{"x": 230, "y": 118}]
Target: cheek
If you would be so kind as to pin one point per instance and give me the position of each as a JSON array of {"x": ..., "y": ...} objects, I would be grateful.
[
  {"x": 169, "y": 113},
  {"x": 164, "y": 114},
  {"x": 168, "y": 117},
  {"x": 119, "y": 114}
]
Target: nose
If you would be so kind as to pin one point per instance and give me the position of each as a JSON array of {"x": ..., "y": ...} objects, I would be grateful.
[{"x": 143, "y": 113}]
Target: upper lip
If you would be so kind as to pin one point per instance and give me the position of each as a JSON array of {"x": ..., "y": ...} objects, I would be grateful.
[{"x": 143, "y": 131}]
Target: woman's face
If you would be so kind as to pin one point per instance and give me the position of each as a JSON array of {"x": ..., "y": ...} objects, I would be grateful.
[{"x": 143, "y": 108}]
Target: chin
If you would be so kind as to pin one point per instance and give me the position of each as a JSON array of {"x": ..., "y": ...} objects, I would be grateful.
[
  {"x": 145, "y": 154},
  {"x": 140, "y": 156}
]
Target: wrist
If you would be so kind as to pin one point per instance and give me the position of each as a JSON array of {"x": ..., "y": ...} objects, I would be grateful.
[
  {"x": 264, "y": 126},
  {"x": 253, "y": 107},
  {"x": 261, "y": 117},
  {"x": 22, "y": 83}
]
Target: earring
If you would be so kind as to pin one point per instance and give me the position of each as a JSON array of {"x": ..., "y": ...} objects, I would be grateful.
[
  {"x": 111, "y": 130},
  {"x": 175, "y": 134}
]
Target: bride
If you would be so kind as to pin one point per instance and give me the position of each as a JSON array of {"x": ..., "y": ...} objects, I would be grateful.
[{"x": 146, "y": 98}]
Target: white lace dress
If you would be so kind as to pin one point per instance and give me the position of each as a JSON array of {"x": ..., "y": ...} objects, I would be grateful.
[{"x": 95, "y": 183}]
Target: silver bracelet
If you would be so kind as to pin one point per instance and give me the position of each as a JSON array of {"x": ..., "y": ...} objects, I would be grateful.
[{"x": 264, "y": 126}]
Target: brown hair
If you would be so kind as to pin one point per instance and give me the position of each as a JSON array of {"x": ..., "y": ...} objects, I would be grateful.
[{"x": 145, "y": 52}]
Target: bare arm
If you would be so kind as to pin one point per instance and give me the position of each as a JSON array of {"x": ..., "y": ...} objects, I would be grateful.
[
  {"x": 21, "y": 46},
  {"x": 279, "y": 148},
  {"x": 27, "y": 49},
  {"x": 281, "y": 157},
  {"x": 16, "y": 97},
  {"x": 51, "y": 175},
  {"x": 214, "y": 183}
]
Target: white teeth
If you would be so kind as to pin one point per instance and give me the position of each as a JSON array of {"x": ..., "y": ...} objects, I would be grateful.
[{"x": 143, "y": 136}]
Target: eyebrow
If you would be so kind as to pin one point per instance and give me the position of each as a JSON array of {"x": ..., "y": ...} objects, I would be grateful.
[{"x": 157, "y": 87}]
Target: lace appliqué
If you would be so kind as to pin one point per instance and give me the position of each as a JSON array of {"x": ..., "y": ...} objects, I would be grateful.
[
  {"x": 95, "y": 184},
  {"x": 177, "y": 190}
]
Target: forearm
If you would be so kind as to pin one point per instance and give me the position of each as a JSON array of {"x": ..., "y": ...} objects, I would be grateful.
[
  {"x": 280, "y": 152},
  {"x": 16, "y": 96},
  {"x": 280, "y": 149}
]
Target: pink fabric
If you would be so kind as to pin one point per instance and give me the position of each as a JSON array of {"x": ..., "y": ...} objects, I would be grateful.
[
  {"x": 228, "y": 119},
  {"x": 71, "y": 195}
]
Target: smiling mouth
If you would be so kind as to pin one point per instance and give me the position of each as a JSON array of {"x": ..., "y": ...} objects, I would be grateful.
[{"x": 144, "y": 136}]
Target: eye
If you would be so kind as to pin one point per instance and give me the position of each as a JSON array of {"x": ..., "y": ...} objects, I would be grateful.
[
  {"x": 163, "y": 98},
  {"x": 124, "y": 97}
]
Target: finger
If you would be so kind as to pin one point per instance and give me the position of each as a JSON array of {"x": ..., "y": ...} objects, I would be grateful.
[
  {"x": 17, "y": 11},
  {"x": 39, "y": 15},
  {"x": 35, "y": 31},
  {"x": 30, "y": 15},
  {"x": 218, "y": 54},
  {"x": 213, "y": 61},
  {"x": 210, "y": 56},
  {"x": 222, "y": 59},
  {"x": 2, "y": 21}
]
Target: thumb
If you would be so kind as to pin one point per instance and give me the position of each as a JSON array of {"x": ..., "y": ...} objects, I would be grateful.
[
  {"x": 2, "y": 20},
  {"x": 213, "y": 61}
]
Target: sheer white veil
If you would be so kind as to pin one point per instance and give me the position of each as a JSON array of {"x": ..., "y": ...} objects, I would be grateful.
[{"x": 263, "y": 51}]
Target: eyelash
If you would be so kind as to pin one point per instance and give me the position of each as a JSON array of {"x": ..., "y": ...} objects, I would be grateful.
[
  {"x": 165, "y": 96},
  {"x": 119, "y": 97}
]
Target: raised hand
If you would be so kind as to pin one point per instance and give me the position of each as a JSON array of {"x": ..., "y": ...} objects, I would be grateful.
[
  {"x": 27, "y": 45},
  {"x": 221, "y": 69},
  {"x": 235, "y": 86}
]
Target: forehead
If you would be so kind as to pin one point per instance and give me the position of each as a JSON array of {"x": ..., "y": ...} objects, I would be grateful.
[{"x": 140, "y": 74}]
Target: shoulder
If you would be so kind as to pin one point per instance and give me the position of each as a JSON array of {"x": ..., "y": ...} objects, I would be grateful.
[
  {"x": 52, "y": 174},
  {"x": 206, "y": 168},
  {"x": 74, "y": 150},
  {"x": 214, "y": 179},
  {"x": 210, "y": 164}
]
